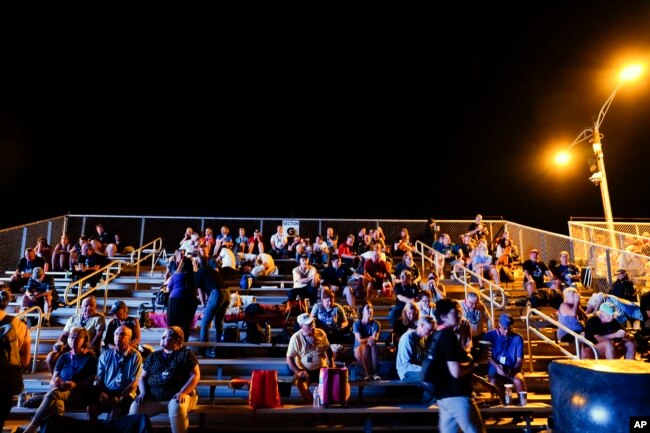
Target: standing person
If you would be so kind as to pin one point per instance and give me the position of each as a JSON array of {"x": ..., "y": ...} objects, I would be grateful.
[
  {"x": 308, "y": 351},
  {"x": 454, "y": 367},
  {"x": 215, "y": 295},
  {"x": 168, "y": 381},
  {"x": 507, "y": 355},
  {"x": 11, "y": 373},
  {"x": 71, "y": 382},
  {"x": 118, "y": 372},
  {"x": 182, "y": 297}
]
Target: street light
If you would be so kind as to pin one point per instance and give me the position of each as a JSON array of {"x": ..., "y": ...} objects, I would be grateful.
[{"x": 593, "y": 135}]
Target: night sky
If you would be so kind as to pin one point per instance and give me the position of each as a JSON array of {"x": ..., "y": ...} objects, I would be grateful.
[{"x": 469, "y": 103}]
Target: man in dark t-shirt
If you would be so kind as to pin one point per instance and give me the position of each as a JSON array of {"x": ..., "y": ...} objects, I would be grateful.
[
  {"x": 608, "y": 335},
  {"x": 453, "y": 387}
]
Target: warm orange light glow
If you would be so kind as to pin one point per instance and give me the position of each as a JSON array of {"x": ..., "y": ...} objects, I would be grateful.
[
  {"x": 631, "y": 72},
  {"x": 562, "y": 158}
]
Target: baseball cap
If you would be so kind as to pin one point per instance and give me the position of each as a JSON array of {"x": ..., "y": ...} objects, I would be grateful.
[
  {"x": 621, "y": 271},
  {"x": 305, "y": 319},
  {"x": 609, "y": 308},
  {"x": 37, "y": 272},
  {"x": 304, "y": 256},
  {"x": 534, "y": 250},
  {"x": 506, "y": 320},
  {"x": 117, "y": 306}
]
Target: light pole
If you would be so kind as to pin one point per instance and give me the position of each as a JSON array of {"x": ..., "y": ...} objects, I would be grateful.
[{"x": 594, "y": 136}]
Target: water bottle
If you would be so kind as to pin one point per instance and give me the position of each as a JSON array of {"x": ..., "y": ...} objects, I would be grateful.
[
  {"x": 508, "y": 395},
  {"x": 316, "y": 396},
  {"x": 21, "y": 399},
  {"x": 267, "y": 333}
]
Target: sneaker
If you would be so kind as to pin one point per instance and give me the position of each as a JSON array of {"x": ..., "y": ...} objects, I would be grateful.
[
  {"x": 376, "y": 377},
  {"x": 368, "y": 378}
]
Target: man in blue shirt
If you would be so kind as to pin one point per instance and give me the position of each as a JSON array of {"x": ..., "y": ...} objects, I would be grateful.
[{"x": 507, "y": 355}]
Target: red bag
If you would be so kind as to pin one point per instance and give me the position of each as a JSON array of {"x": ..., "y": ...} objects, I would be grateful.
[
  {"x": 264, "y": 390},
  {"x": 333, "y": 386}
]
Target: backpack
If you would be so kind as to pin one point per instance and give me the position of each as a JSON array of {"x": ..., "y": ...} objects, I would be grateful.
[
  {"x": 429, "y": 374},
  {"x": 9, "y": 350},
  {"x": 246, "y": 282},
  {"x": 11, "y": 368},
  {"x": 230, "y": 334},
  {"x": 254, "y": 332}
]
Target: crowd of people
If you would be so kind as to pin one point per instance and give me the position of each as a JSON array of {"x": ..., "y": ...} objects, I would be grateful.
[{"x": 101, "y": 367}]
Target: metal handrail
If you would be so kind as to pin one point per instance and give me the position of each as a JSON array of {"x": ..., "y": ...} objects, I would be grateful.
[
  {"x": 491, "y": 287},
  {"x": 112, "y": 271},
  {"x": 137, "y": 257},
  {"x": 426, "y": 252},
  {"x": 37, "y": 328},
  {"x": 577, "y": 337}
]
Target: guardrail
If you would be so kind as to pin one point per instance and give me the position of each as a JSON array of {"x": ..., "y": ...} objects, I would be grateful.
[
  {"x": 491, "y": 288},
  {"x": 37, "y": 340},
  {"x": 426, "y": 253},
  {"x": 152, "y": 250},
  {"x": 111, "y": 271},
  {"x": 577, "y": 337}
]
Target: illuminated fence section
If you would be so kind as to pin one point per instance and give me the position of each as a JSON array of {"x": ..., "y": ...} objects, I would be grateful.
[
  {"x": 584, "y": 246},
  {"x": 586, "y": 249}
]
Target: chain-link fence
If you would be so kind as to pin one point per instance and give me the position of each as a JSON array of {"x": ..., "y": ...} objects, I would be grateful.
[{"x": 587, "y": 244}]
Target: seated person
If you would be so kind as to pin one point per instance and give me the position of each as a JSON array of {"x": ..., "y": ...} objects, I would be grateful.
[
  {"x": 567, "y": 271},
  {"x": 336, "y": 278},
  {"x": 105, "y": 243},
  {"x": 71, "y": 382},
  {"x": 88, "y": 264},
  {"x": 24, "y": 270},
  {"x": 306, "y": 281},
  {"x": 168, "y": 381},
  {"x": 623, "y": 287},
  {"x": 411, "y": 352},
  {"x": 408, "y": 320},
  {"x": 264, "y": 266},
  {"x": 39, "y": 291},
  {"x": 535, "y": 270},
  {"x": 120, "y": 313},
  {"x": 118, "y": 372},
  {"x": 89, "y": 319},
  {"x": 408, "y": 265},
  {"x": 425, "y": 304},
  {"x": 405, "y": 293},
  {"x": 61, "y": 254},
  {"x": 436, "y": 288},
  {"x": 625, "y": 310},
  {"x": 375, "y": 272},
  {"x": 540, "y": 297},
  {"x": 482, "y": 265},
  {"x": 308, "y": 351},
  {"x": 330, "y": 317},
  {"x": 608, "y": 335},
  {"x": 366, "y": 335},
  {"x": 507, "y": 356},
  {"x": 571, "y": 315}
]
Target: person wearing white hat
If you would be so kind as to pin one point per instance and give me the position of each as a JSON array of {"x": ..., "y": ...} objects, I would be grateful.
[{"x": 308, "y": 351}]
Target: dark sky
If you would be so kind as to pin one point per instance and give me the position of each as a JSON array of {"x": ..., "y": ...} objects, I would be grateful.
[{"x": 469, "y": 103}]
